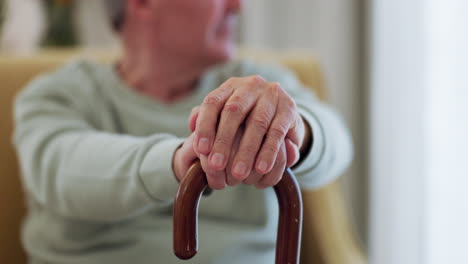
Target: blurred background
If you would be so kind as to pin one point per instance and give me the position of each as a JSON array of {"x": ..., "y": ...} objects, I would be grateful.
[{"x": 396, "y": 70}]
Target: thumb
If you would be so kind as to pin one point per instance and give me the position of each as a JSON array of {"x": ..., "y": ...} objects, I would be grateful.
[
  {"x": 292, "y": 152},
  {"x": 184, "y": 157},
  {"x": 193, "y": 118}
]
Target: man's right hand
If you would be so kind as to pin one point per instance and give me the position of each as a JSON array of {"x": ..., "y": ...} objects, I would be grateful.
[{"x": 184, "y": 157}]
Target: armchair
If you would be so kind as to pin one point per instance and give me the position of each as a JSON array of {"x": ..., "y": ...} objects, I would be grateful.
[{"x": 328, "y": 236}]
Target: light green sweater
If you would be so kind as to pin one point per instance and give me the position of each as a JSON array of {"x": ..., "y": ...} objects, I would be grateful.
[{"x": 96, "y": 162}]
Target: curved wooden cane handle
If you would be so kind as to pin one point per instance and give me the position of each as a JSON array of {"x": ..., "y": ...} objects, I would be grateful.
[{"x": 186, "y": 214}]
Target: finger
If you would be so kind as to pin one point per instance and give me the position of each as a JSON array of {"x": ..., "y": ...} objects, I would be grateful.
[
  {"x": 231, "y": 180},
  {"x": 185, "y": 158},
  {"x": 257, "y": 125},
  {"x": 189, "y": 154},
  {"x": 233, "y": 115},
  {"x": 292, "y": 153},
  {"x": 208, "y": 117},
  {"x": 253, "y": 178},
  {"x": 193, "y": 118},
  {"x": 216, "y": 179},
  {"x": 297, "y": 130},
  {"x": 275, "y": 136},
  {"x": 276, "y": 173}
]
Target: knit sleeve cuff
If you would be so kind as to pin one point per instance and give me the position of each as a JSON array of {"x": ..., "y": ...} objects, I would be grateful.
[
  {"x": 156, "y": 172},
  {"x": 317, "y": 149}
]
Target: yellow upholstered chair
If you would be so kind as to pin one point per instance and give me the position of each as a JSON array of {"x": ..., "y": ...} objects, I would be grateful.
[{"x": 328, "y": 237}]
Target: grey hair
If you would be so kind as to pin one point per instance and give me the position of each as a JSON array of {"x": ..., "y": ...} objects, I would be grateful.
[{"x": 116, "y": 11}]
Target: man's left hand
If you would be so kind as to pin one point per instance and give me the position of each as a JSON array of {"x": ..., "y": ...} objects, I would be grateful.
[{"x": 269, "y": 117}]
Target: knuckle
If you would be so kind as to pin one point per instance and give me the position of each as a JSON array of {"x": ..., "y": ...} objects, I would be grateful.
[
  {"x": 248, "y": 181},
  {"x": 268, "y": 181},
  {"x": 275, "y": 89},
  {"x": 290, "y": 104},
  {"x": 272, "y": 179},
  {"x": 209, "y": 173},
  {"x": 276, "y": 86},
  {"x": 277, "y": 179},
  {"x": 281, "y": 158},
  {"x": 222, "y": 141},
  {"x": 226, "y": 86},
  {"x": 235, "y": 106},
  {"x": 214, "y": 183},
  {"x": 231, "y": 181},
  {"x": 219, "y": 184},
  {"x": 270, "y": 148},
  {"x": 195, "y": 109},
  {"x": 231, "y": 80},
  {"x": 253, "y": 178},
  {"x": 204, "y": 132},
  {"x": 212, "y": 99},
  {"x": 237, "y": 98},
  {"x": 261, "y": 122},
  {"x": 246, "y": 154},
  {"x": 256, "y": 80},
  {"x": 277, "y": 132},
  {"x": 250, "y": 150}
]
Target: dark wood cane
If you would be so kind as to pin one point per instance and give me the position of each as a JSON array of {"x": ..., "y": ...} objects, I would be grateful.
[{"x": 186, "y": 213}]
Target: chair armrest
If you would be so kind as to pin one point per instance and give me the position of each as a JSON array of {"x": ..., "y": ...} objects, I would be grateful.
[{"x": 328, "y": 236}]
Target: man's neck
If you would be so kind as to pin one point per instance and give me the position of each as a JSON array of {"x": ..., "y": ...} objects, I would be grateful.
[{"x": 164, "y": 80}]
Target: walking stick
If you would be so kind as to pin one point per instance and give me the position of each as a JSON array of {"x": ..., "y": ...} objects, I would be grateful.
[{"x": 186, "y": 212}]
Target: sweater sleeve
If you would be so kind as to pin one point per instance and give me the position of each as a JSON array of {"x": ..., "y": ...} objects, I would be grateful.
[
  {"x": 332, "y": 150},
  {"x": 76, "y": 171}
]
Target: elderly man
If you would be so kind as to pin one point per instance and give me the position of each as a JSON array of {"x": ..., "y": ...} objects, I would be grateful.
[{"x": 102, "y": 147}]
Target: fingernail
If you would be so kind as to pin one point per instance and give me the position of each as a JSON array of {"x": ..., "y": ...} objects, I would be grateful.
[
  {"x": 240, "y": 169},
  {"x": 262, "y": 166},
  {"x": 204, "y": 145},
  {"x": 217, "y": 160}
]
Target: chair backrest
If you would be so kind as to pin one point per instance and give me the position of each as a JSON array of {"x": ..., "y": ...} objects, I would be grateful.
[{"x": 16, "y": 72}]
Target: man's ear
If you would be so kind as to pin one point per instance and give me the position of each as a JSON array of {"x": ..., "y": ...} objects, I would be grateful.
[{"x": 235, "y": 6}]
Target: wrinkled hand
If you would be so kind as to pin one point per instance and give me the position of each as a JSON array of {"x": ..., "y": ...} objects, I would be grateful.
[
  {"x": 185, "y": 156},
  {"x": 247, "y": 131}
]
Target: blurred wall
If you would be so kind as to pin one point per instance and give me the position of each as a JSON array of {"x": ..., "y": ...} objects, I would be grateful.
[
  {"x": 419, "y": 128},
  {"x": 92, "y": 25},
  {"x": 330, "y": 29},
  {"x": 447, "y": 212},
  {"x": 23, "y": 25},
  {"x": 397, "y": 109}
]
